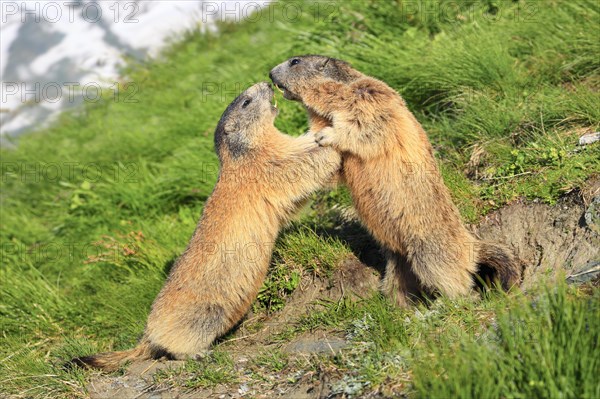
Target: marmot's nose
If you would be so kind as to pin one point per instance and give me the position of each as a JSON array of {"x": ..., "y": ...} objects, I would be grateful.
[{"x": 271, "y": 75}]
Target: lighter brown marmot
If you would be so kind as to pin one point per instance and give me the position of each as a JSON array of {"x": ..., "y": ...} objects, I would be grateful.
[{"x": 264, "y": 176}]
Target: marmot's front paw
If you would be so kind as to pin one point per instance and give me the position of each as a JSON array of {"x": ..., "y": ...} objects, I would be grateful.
[{"x": 325, "y": 137}]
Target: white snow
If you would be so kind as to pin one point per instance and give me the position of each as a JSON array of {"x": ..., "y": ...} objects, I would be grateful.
[{"x": 95, "y": 36}]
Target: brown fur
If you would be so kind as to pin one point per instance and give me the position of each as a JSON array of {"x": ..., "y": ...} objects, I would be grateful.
[
  {"x": 263, "y": 178},
  {"x": 397, "y": 189}
]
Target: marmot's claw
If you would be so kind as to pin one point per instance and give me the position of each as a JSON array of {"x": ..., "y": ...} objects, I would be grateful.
[{"x": 325, "y": 137}]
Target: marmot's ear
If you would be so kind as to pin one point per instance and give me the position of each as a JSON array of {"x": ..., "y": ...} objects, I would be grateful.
[
  {"x": 333, "y": 64},
  {"x": 323, "y": 64}
]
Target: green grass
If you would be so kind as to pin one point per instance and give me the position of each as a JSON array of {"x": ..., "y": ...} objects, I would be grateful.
[
  {"x": 545, "y": 347},
  {"x": 117, "y": 187},
  {"x": 543, "y": 344},
  {"x": 272, "y": 360},
  {"x": 216, "y": 368},
  {"x": 300, "y": 250}
]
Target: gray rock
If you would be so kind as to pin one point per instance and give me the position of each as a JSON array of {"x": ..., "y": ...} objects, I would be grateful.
[
  {"x": 592, "y": 215},
  {"x": 587, "y": 273},
  {"x": 589, "y": 138},
  {"x": 330, "y": 345}
]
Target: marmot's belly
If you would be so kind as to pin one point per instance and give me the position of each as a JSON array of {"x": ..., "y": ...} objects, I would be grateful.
[
  {"x": 398, "y": 207},
  {"x": 386, "y": 224},
  {"x": 381, "y": 210}
]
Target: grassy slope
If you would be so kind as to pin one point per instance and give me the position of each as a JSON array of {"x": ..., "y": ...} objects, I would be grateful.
[{"x": 84, "y": 253}]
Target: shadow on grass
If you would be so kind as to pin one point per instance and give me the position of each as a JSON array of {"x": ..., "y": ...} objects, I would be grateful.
[
  {"x": 360, "y": 242},
  {"x": 169, "y": 265}
]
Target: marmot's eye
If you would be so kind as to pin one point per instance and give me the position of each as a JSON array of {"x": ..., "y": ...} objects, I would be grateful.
[
  {"x": 246, "y": 103},
  {"x": 294, "y": 61}
]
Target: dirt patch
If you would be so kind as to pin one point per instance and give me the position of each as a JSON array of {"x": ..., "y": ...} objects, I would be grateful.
[{"x": 552, "y": 241}]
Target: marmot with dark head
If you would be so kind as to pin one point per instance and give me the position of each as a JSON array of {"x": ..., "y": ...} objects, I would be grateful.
[
  {"x": 264, "y": 177},
  {"x": 396, "y": 186}
]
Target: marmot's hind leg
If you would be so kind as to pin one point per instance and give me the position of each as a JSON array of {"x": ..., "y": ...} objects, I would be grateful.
[{"x": 400, "y": 284}]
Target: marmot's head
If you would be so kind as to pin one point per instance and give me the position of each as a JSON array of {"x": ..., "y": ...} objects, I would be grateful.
[
  {"x": 245, "y": 120},
  {"x": 299, "y": 73}
]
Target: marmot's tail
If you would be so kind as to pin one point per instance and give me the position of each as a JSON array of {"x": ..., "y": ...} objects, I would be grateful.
[
  {"x": 112, "y": 361},
  {"x": 497, "y": 263}
]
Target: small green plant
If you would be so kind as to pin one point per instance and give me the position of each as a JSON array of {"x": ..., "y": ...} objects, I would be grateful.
[
  {"x": 529, "y": 160},
  {"x": 273, "y": 360},
  {"x": 280, "y": 283}
]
